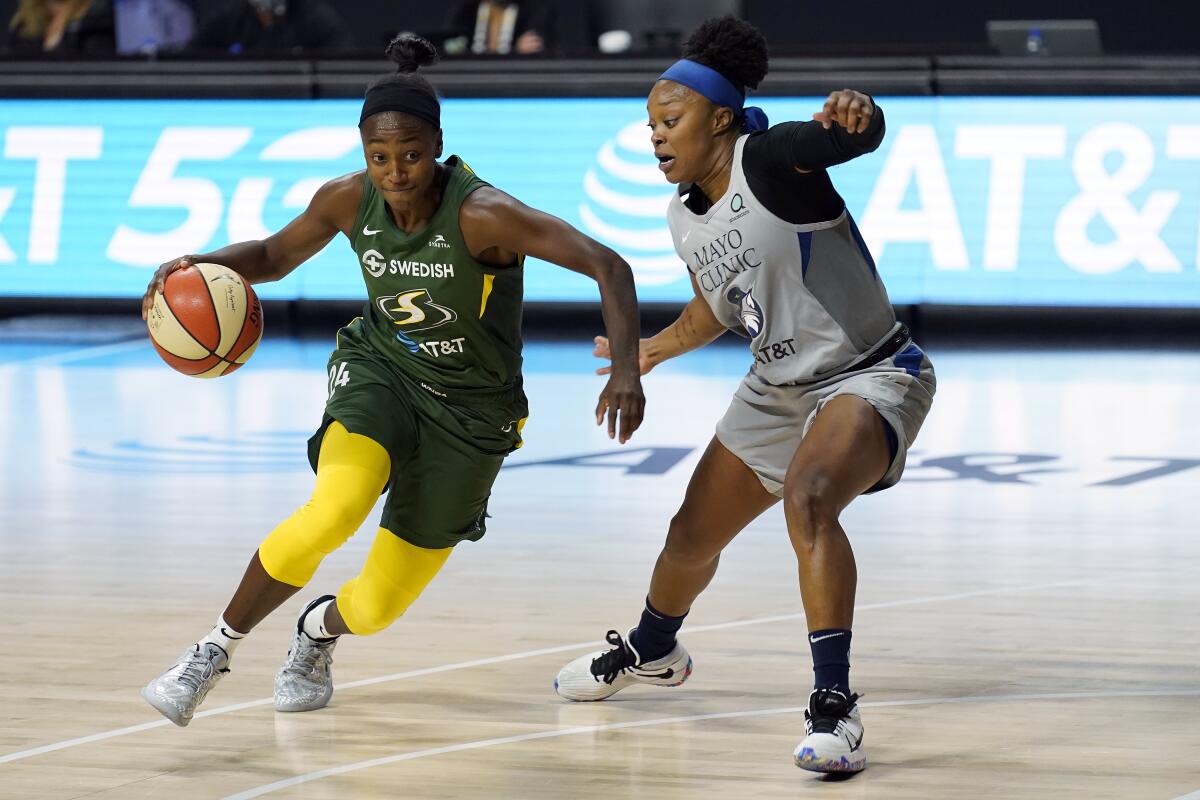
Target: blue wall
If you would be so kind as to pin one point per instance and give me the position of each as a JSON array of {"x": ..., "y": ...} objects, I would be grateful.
[{"x": 1031, "y": 201}]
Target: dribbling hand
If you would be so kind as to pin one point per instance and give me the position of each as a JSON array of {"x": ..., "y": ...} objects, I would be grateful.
[
  {"x": 848, "y": 108},
  {"x": 160, "y": 278}
]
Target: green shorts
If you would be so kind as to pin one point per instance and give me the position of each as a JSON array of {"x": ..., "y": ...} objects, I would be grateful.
[{"x": 446, "y": 445}]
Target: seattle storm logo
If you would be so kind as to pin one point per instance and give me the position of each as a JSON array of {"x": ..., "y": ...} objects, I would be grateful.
[
  {"x": 750, "y": 312},
  {"x": 415, "y": 310}
]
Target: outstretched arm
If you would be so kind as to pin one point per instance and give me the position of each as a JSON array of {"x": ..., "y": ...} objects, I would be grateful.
[
  {"x": 695, "y": 328},
  {"x": 494, "y": 222},
  {"x": 262, "y": 260}
]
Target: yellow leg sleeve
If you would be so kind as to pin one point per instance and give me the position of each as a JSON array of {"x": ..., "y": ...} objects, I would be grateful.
[
  {"x": 351, "y": 472},
  {"x": 394, "y": 576}
]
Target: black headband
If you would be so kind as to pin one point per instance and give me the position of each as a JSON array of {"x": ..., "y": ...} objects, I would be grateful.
[{"x": 404, "y": 99}]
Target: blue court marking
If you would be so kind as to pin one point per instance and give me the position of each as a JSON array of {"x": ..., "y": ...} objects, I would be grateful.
[{"x": 253, "y": 440}]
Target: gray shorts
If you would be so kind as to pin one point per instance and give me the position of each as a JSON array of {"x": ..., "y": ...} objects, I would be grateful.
[{"x": 765, "y": 424}]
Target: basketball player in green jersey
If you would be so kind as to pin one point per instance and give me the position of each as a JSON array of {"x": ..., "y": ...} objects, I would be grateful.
[{"x": 425, "y": 397}]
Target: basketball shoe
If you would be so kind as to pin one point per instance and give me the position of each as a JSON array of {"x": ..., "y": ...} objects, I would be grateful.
[
  {"x": 305, "y": 681},
  {"x": 603, "y": 674},
  {"x": 177, "y": 692},
  {"x": 834, "y": 734}
]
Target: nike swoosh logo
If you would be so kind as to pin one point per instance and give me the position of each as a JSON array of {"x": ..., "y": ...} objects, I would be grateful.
[
  {"x": 667, "y": 674},
  {"x": 368, "y": 232},
  {"x": 225, "y": 632},
  {"x": 856, "y": 745},
  {"x": 826, "y": 636}
]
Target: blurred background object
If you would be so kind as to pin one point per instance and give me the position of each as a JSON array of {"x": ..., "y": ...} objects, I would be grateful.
[
  {"x": 1045, "y": 37},
  {"x": 498, "y": 27},
  {"x": 587, "y": 28},
  {"x": 147, "y": 27},
  {"x": 272, "y": 26},
  {"x": 654, "y": 27},
  {"x": 62, "y": 27}
]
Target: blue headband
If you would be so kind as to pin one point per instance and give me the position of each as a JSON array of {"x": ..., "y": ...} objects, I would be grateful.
[{"x": 718, "y": 89}]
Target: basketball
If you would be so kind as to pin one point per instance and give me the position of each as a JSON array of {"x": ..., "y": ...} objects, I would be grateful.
[{"x": 207, "y": 321}]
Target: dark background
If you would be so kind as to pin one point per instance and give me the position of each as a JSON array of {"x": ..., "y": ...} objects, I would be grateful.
[
  {"x": 930, "y": 27},
  {"x": 800, "y": 27}
]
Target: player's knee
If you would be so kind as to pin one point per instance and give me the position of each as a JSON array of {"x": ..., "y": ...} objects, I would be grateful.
[
  {"x": 369, "y": 609},
  {"x": 686, "y": 545},
  {"x": 810, "y": 505},
  {"x": 329, "y": 523},
  {"x": 293, "y": 551}
]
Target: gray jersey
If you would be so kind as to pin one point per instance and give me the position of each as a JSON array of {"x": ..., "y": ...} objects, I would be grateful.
[{"x": 808, "y": 296}]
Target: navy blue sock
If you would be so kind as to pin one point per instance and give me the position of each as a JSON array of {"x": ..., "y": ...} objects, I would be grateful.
[
  {"x": 831, "y": 659},
  {"x": 654, "y": 636}
]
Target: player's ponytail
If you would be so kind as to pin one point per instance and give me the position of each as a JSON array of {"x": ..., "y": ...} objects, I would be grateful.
[
  {"x": 405, "y": 91},
  {"x": 411, "y": 52}
]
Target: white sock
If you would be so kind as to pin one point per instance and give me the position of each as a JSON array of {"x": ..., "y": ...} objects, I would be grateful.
[
  {"x": 313, "y": 623},
  {"x": 225, "y": 637}
]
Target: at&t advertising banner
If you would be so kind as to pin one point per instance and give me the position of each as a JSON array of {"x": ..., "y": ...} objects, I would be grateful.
[{"x": 1029, "y": 201}]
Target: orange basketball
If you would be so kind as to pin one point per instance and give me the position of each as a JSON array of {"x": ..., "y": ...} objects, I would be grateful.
[{"x": 206, "y": 322}]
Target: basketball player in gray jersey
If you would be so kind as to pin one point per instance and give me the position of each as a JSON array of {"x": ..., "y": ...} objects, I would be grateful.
[{"x": 837, "y": 389}]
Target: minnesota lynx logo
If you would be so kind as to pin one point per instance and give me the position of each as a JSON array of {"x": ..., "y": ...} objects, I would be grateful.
[
  {"x": 415, "y": 310},
  {"x": 749, "y": 310}
]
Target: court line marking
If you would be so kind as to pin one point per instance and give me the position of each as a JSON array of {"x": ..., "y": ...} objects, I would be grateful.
[
  {"x": 80, "y": 354},
  {"x": 1190, "y": 796},
  {"x": 317, "y": 775},
  {"x": 483, "y": 662}
]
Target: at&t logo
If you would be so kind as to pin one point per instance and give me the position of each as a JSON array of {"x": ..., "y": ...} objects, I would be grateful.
[{"x": 625, "y": 205}]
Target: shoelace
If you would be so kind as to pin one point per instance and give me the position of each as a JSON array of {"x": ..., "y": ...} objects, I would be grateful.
[
  {"x": 835, "y": 707},
  {"x": 198, "y": 669},
  {"x": 608, "y": 666},
  {"x": 306, "y": 656}
]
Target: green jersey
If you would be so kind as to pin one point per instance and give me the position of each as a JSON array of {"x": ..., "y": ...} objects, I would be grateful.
[{"x": 432, "y": 310}]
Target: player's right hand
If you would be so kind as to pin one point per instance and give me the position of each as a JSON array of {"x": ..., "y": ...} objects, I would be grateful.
[
  {"x": 602, "y": 351},
  {"x": 159, "y": 280}
]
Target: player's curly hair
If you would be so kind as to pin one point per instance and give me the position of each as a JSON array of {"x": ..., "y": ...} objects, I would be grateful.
[{"x": 731, "y": 46}]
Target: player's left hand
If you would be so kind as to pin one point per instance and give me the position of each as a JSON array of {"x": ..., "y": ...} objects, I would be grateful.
[
  {"x": 622, "y": 399},
  {"x": 848, "y": 108}
]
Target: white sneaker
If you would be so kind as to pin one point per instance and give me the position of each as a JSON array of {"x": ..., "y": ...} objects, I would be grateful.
[
  {"x": 603, "y": 674},
  {"x": 834, "y": 734},
  {"x": 305, "y": 681},
  {"x": 177, "y": 692}
]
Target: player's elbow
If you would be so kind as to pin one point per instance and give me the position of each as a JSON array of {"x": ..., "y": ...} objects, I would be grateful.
[
  {"x": 610, "y": 268},
  {"x": 872, "y": 143}
]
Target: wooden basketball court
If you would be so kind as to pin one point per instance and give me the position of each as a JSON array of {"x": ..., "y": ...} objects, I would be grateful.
[{"x": 1028, "y": 619}]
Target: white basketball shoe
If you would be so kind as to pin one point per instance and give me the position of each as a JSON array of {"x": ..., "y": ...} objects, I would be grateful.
[
  {"x": 176, "y": 693},
  {"x": 602, "y": 674},
  {"x": 305, "y": 681},
  {"x": 834, "y": 734}
]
